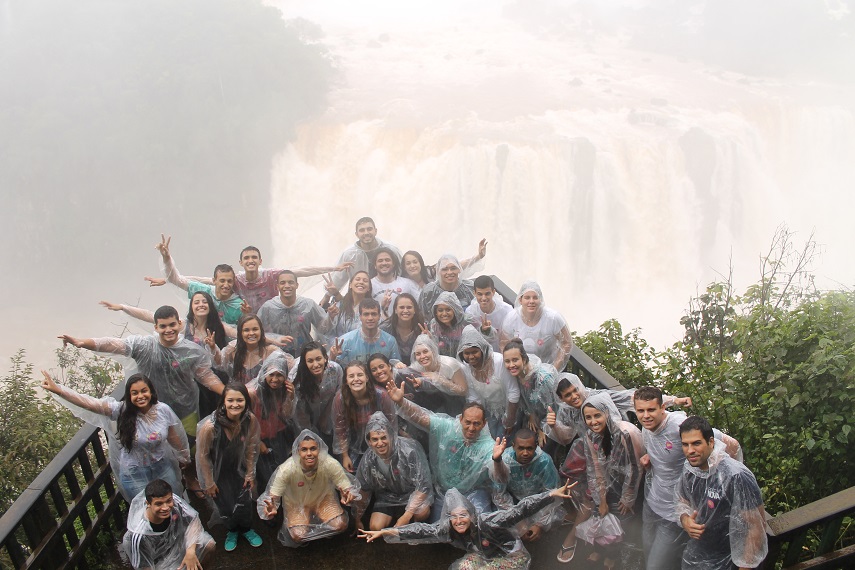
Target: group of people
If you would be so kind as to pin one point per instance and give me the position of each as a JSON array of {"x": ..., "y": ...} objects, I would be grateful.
[{"x": 419, "y": 403}]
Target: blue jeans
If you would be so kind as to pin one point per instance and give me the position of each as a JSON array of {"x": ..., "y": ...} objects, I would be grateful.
[
  {"x": 663, "y": 540},
  {"x": 480, "y": 499},
  {"x": 132, "y": 480}
]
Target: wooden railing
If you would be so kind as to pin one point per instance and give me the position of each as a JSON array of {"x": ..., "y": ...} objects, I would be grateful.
[{"x": 60, "y": 515}]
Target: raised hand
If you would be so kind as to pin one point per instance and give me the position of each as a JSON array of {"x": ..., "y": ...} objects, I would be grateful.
[
  {"x": 163, "y": 247},
  {"x": 499, "y": 447},
  {"x": 155, "y": 281},
  {"x": 482, "y": 248},
  {"x": 387, "y": 300},
  {"x": 111, "y": 306},
  {"x": 270, "y": 507},
  {"x": 335, "y": 349},
  {"x": 209, "y": 340},
  {"x": 330, "y": 286},
  {"x": 564, "y": 490},
  {"x": 486, "y": 325},
  {"x": 424, "y": 328},
  {"x": 332, "y": 310},
  {"x": 684, "y": 402},
  {"x": 344, "y": 266},
  {"x": 67, "y": 339},
  {"x": 244, "y": 307},
  {"x": 550, "y": 416},
  {"x": 48, "y": 383},
  {"x": 395, "y": 392}
]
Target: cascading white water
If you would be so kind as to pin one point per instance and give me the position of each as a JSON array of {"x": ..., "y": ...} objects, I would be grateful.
[{"x": 620, "y": 180}]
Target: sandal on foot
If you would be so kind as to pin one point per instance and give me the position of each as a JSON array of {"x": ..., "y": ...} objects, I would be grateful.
[
  {"x": 231, "y": 541},
  {"x": 252, "y": 537},
  {"x": 564, "y": 551}
]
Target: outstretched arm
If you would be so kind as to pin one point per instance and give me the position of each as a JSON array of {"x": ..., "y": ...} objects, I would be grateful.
[
  {"x": 95, "y": 405},
  {"x": 135, "y": 312},
  {"x": 312, "y": 270},
  {"x": 407, "y": 409}
]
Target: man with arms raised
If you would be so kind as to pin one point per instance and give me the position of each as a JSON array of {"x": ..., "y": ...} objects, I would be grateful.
[
  {"x": 292, "y": 316},
  {"x": 362, "y": 254},
  {"x": 361, "y": 343},
  {"x": 719, "y": 504},
  {"x": 489, "y": 307},
  {"x": 663, "y": 536},
  {"x": 164, "y": 532}
]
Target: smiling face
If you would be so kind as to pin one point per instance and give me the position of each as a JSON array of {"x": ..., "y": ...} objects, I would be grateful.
[
  {"x": 250, "y": 332},
  {"x": 485, "y": 298},
  {"x": 234, "y": 403},
  {"x": 287, "y": 285},
  {"x": 224, "y": 284},
  {"x": 473, "y": 356},
  {"x": 595, "y": 419},
  {"x": 444, "y": 314},
  {"x": 472, "y": 422},
  {"x": 199, "y": 304},
  {"x": 316, "y": 363},
  {"x": 366, "y": 233},
  {"x": 384, "y": 265},
  {"x": 460, "y": 521},
  {"x": 572, "y": 397},
  {"x": 530, "y": 302},
  {"x": 697, "y": 449},
  {"x": 380, "y": 371},
  {"x": 650, "y": 413},
  {"x": 140, "y": 395},
  {"x": 524, "y": 449},
  {"x": 424, "y": 356},
  {"x": 309, "y": 452},
  {"x": 168, "y": 329},
  {"x": 449, "y": 274},
  {"x": 412, "y": 266},
  {"x": 356, "y": 380},
  {"x": 370, "y": 319},
  {"x": 159, "y": 509},
  {"x": 360, "y": 283},
  {"x": 250, "y": 260},
  {"x": 379, "y": 442},
  {"x": 275, "y": 379},
  {"x": 514, "y": 361},
  {"x": 405, "y": 309}
]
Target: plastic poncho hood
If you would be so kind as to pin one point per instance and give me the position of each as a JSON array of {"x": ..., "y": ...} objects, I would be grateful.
[
  {"x": 426, "y": 341},
  {"x": 525, "y": 288},
  {"x": 472, "y": 338},
  {"x": 449, "y": 299}
]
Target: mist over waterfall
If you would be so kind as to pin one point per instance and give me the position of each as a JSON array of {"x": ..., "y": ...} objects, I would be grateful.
[{"x": 621, "y": 178}]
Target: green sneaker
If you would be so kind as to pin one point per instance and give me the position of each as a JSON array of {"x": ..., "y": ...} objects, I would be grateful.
[
  {"x": 231, "y": 540},
  {"x": 252, "y": 537}
]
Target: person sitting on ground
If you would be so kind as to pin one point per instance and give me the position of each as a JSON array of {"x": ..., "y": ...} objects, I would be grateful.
[
  {"x": 544, "y": 332},
  {"x": 226, "y": 455},
  {"x": 489, "y": 539},
  {"x": 362, "y": 254},
  {"x": 663, "y": 537},
  {"x": 448, "y": 268},
  {"x": 150, "y": 442},
  {"x": 524, "y": 471},
  {"x": 293, "y": 316},
  {"x": 719, "y": 504},
  {"x": 489, "y": 309},
  {"x": 405, "y": 324},
  {"x": 359, "y": 344},
  {"x": 448, "y": 322},
  {"x": 394, "y": 471},
  {"x": 460, "y": 449},
  {"x": 305, "y": 486},
  {"x": 164, "y": 532}
]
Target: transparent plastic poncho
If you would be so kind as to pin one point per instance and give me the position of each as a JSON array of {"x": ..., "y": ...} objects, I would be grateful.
[
  {"x": 226, "y": 455},
  {"x": 465, "y": 289},
  {"x": 310, "y": 499},
  {"x": 515, "y": 481},
  {"x": 618, "y": 476},
  {"x": 445, "y": 374},
  {"x": 274, "y": 411},
  {"x": 537, "y": 390},
  {"x": 490, "y": 542},
  {"x": 549, "y": 338},
  {"x": 362, "y": 261},
  {"x": 496, "y": 318},
  {"x": 729, "y": 503},
  {"x": 448, "y": 337},
  {"x": 492, "y": 385},
  {"x": 351, "y": 438},
  {"x": 316, "y": 414},
  {"x": 172, "y": 369},
  {"x": 164, "y": 550},
  {"x": 295, "y": 321},
  {"x": 159, "y": 448},
  {"x": 403, "y": 479}
]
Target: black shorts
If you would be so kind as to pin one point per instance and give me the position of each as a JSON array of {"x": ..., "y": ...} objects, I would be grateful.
[{"x": 394, "y": 511}]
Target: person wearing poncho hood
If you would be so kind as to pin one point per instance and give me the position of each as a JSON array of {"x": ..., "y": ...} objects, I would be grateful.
[
  {"x": 490, "y": 384},
  {"x": 488, "y": 538},
  {"x": 448, "y": 279},
  {"x": 395, "y": 472}
]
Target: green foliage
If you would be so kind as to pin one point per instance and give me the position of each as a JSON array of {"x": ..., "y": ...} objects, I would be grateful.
[
  {"x": 626, "y": 356},
  {"x": 35, "y": 428}
]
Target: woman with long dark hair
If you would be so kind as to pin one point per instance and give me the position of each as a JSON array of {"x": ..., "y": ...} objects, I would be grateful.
[
  {"x": 148, "y": 442},
  {"x": 227, "y": 444},
  {"x": 404, "y": 323},
  {"x": 317, "y": 380},
  {"x": 536, "y": 381},
  {"x": 242, "y": 358},
  {"x": 344, "y": 309},
  {"x": 353, "y": 405}
]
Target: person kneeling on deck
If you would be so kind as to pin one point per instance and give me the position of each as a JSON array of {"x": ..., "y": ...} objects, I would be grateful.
[
  {"x": 164, "y": 532},
  {"x": 460, "y": 449},
  {"x": 525, "y": 470},
  {"x": 395, "y": 470},
  {"x": 306, "y": 485}
]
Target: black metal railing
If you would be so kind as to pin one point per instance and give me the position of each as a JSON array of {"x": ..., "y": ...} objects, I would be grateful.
[{"x": 61, "y": 514}]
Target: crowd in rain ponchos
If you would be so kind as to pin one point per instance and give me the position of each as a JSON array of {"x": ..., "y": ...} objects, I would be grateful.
[{"x": 255, "y": 463}]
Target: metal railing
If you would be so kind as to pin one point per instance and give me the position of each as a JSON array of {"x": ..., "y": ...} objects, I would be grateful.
[{"x": 60, "y": 515}]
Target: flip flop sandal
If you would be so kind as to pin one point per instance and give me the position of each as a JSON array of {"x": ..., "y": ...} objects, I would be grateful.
[{"x": 565, "y": 550}]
